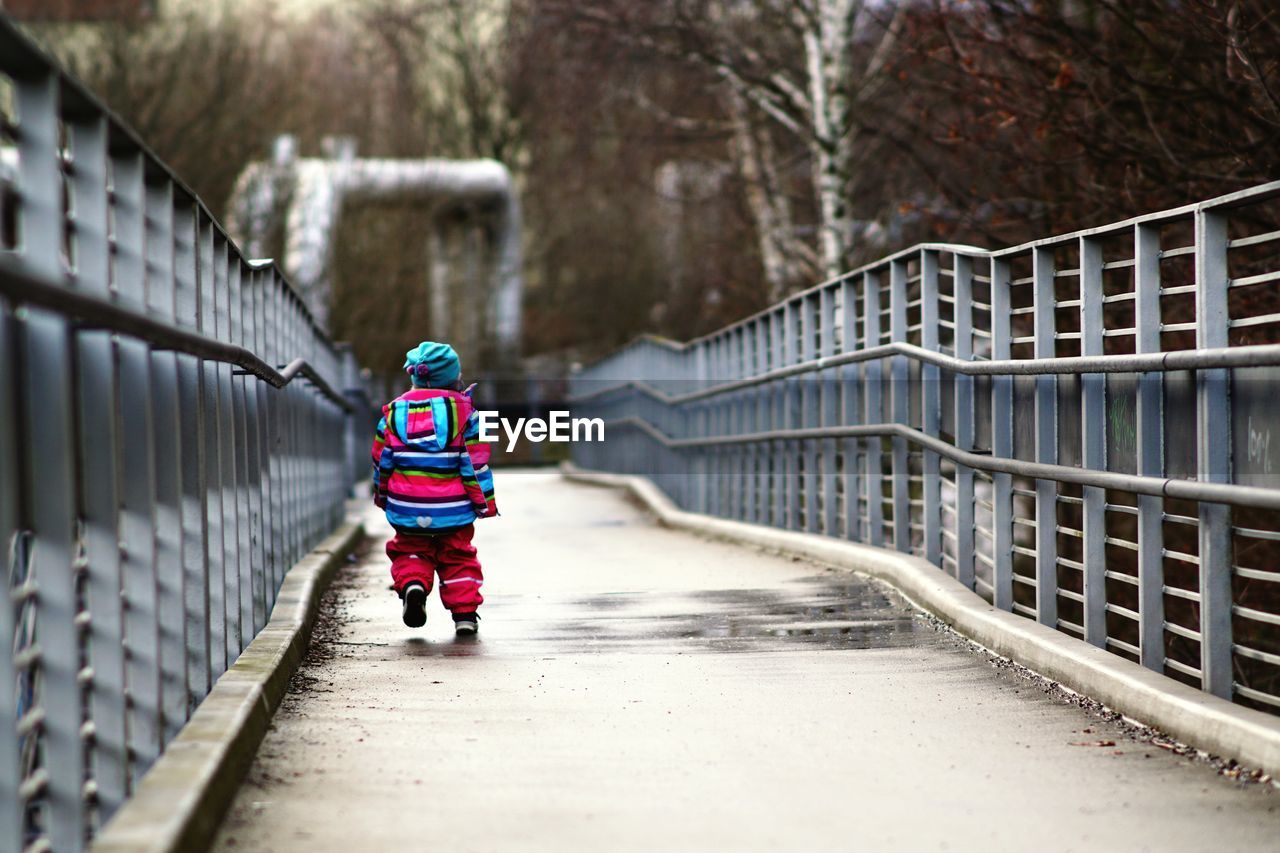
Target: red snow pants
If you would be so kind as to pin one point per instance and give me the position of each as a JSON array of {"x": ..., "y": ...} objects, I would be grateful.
[{"x": 416, "y": 559}]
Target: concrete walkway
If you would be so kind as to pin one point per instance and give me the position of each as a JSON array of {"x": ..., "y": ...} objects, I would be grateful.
[{"x": 635, "y": 688}]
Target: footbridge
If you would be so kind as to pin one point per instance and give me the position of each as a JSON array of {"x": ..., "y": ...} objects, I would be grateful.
[{"x": 965, "y": 549}]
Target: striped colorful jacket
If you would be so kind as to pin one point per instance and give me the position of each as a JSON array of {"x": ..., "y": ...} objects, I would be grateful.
[{"x": 430, "y": 469}]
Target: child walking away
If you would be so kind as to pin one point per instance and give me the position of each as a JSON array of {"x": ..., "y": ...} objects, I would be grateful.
[{"x": 431, "y": 476}]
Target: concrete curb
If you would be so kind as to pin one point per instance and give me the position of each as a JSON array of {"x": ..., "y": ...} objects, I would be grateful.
[
  {"x": 1207, "y": 722},
  {"x": 181, "y": 800}
]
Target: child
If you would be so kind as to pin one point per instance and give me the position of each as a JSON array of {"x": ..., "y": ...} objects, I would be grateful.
[{"x": 431, "y": 476}]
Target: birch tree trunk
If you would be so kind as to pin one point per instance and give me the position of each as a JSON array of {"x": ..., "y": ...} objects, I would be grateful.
[
  {"x": 828, "y": 27},
  {"x": 786, "y": 260}
]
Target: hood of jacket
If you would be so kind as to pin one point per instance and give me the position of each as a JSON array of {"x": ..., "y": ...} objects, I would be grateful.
[{"x": 427, "y": 418}]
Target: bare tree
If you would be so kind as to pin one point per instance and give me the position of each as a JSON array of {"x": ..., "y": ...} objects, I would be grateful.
[
  {"x": 809, "y": 69},
  {"x": 1086, "y": 111}
]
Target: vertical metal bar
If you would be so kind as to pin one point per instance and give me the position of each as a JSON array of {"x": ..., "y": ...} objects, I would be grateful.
[
  {"x": 930, "y": 408},
  {"x": 288, "y": 436},
  {"x": 810, "y": 410},
  {"x": 747, "y": 423},
  {"x": 1093, "y": 431},
  {"x": 794, "y": 341},
  {"x": 962, "y": 277},
  {"x": 211, "y": 397},
  {"x": 873, "y": 385},
  {"x": 297, "y": 442},
  {"x": 263, "y": 287},
  {"x": 781, "y": 468},
  {"x": 741, "y": 400},
  {"x": 1213, "y": 434},
  {"x": 227, "y": 435},
  {"x": 829, "y": 415},
  {"x": 252, "y": 293},
  {"x": 48, "y": 447},
  {"x": 759, "y": 454},
  {"x": 726, "y": 455},
  {"x": 195, "y": 582},
  {"x": 170, "y": 602},
  {"x": 900, "y": 386},
  {"x": 759, "y": 421},
  {"x": 1150, "y": 422},
  {"x": 11, "y": 829},
  {"x": 712, "y": 408},
  {"x": 275, "y": 399},
  {"x": 138, "y": 500},
  {"x": 98, "y": 475},
  {"x": 1046, "y": 426},
  {"x": 730, "y": 459},
  {"x": 244, "y": 525},
  {"x": 701, "y": 427},
  {"x": 851, "y": 402},
  {"x": 1001, "y": 438}
]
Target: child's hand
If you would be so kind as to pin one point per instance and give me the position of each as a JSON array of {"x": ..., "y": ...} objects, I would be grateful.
[{"x": 470, "y": 388}]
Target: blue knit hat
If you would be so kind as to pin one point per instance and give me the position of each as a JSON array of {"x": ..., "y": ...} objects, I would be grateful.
[{"x": 432, "y": 365}]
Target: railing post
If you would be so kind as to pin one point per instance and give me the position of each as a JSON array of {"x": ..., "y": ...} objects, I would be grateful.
[
  {"x": 899, "y": 389},
  {"x": 348, "y": 374},
  {"x": 962, "y": 292},
  {"x": 701, "y": 428},
  {"x": 714, "y": 407},
  {"x": 138, "y": 494},
  {"x": 1093, "y": 430},
  {"x": 360, "y": 433},
  {"x": 851, "y": 384},
  {"x": 11, "y": 817},
  {"x": 810, "y": 413},
  {"x": 1046, "y": 443},
  {"x": 211, "y": 458},
  {"x": 873, "y": 386},
  {"x": 743, "y": 489},
  {"x": 930, "y": 408},
  {"x": 1150, "y": 423},
  {"x": 44, "y": 368},
  {"x": 192, "y": 414},
  {"x": 791, "y": 413},
  {"x": 830, "y": 411},
  {"x": 251, "y": 298},
  {"x": 749, "y": 423},
  {"x": 781, "y": 486},
  {"x": 1001, "y": 438},
  {"x": 227, "y": 452},
  {"x": 291, "y": 443},
  {"x": 795, "y": 414},
  {"x": 170, "y": 604},
  {"x": 1213, "y": 432},
  {"x": 239, "y": 407},
  {"x": 734, "y": 458},
  {"x": 98, "y": 474}
]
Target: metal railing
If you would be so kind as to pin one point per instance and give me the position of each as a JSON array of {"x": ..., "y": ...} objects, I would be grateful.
[
  {"x": 175, "y": 432},
  {"x": 1080, "y": 429}
]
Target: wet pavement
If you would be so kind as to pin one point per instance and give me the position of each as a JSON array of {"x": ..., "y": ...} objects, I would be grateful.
[{"x": 635, "y": 688}]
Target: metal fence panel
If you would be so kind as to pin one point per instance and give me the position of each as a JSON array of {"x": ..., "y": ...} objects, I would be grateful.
[
  {"x": 1078, "y": 428},
  {"x": 159, "y": 466}
]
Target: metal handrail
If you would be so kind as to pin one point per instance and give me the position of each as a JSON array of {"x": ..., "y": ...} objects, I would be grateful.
[
  {"x": 1259, "y": 355},
  {"x": 95, "y": 313},
  {"x": 1166, "y": 487}
]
